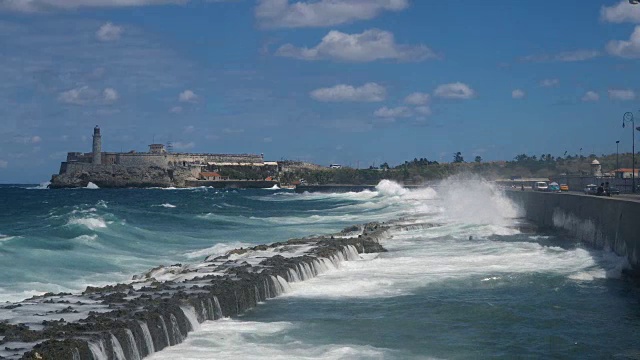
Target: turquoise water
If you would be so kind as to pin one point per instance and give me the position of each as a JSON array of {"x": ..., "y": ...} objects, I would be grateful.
[{"x": 437, "y": 293}]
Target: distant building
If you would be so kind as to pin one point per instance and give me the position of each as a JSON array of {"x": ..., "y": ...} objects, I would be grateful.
[
  {"x": 625, "y": 173},
  {"x": 212, "y": 176},
  {"x": 596, "y": 168},
  {"x": 157, "y": 149}
]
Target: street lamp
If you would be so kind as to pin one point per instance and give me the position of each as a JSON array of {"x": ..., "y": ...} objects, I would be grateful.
[
  {"x": 628, "y": 118},
  {"x": 617, "y": 147}
]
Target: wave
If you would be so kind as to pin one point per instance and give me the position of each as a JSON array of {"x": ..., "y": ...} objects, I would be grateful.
[
  {"x": 91, "y": 185},
  {"x": 217, "y": 249},
  {"x": 90, "y": 223},
  {"x": 42, "y": 186},
  {"x": 165, "y": 205},
  {"x": 6, "y": 238}
]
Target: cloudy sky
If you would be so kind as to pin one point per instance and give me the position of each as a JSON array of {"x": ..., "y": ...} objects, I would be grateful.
[{"x": 355, "y": 82}]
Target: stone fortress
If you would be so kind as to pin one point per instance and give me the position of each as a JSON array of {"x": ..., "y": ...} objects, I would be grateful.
[{"x": 157, "y": 167}]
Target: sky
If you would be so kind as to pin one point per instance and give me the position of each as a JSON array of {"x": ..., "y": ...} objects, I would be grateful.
[{"x": 354, "y": 82}]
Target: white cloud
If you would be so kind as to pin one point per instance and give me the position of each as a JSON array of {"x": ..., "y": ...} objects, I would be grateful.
[
  {"x": 622, "y": 94},
  {"x": 591, "y": 96},
  {"x": 626, "y": 49},
  {"x": 84, "y": 95},
  {"x": 176, "y": 109},
  {"x": 110, "y": 95},
  {"x": 456, "y": 90},
  {"x": 109, "y": 32},
  {"x": 30, "y": 6},
  {"x": 400, "y": 111},
  {"x": 566, "y": 56},
  {"x": 189, "y": 129},
  {"x": 517, "y": 94},
  {"x": 423, "y": 110},
  {"x": 36, "y": 139},
  {"x": 282, "y": 13},
  {"x": 28, "y": 139},
  {"x": 3, "y": 164},
  {"x": 370, "y": 45},
  {"x": 188, "y": 96},
  {"x": 417, "y": 98},
  {"x": 621, "y": 12},
  {"x": 369, "y": 92},
  {"x": 183, "y": 146},
  {"x": 549, "y": 82},
  {"x": 267, "y": 139},
  {"x": 77, "y": 96}
]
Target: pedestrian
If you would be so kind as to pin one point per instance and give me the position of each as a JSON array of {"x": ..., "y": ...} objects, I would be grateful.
[
  {"x": 600, "y": 190},
  {"x": 606, "y": 189}
]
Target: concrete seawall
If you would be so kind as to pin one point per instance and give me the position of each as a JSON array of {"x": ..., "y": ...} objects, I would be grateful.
[{"x": 603, "y": 222}]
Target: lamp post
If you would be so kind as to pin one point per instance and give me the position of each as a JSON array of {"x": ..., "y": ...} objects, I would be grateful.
[
  {"x": 628, "y": 118},
  {"x": 617, "y": 152}
]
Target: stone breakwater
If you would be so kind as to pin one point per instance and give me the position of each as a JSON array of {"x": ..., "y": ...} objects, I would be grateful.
[{"x": 160, "y": 307}]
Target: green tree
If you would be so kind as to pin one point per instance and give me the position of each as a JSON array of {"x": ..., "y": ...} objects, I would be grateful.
[
  {"x": 457, "y": 158},
  {"x": 478, "y": 159}
]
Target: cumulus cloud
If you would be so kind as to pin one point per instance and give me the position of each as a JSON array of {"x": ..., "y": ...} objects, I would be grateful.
[
  {"x": 109, "y": 32},
  {"x": 188, "y": 96},
  {"x": 456, "y": 90},
  {"x": 517, "y": 94},
  {"x": 622, "y": 94},
  {"x": 370, "y": 45},
  {"x": 590, "y": 96},
  {"x": 549, "y": 82},
  {"x": 84, "y": 95},
  {"x": 567, "y": 56},
  {"x": 627, "y": 49},
  {"x": 31, "y": 6},
  {"x": 390, "y": 113},
  {"x": 621, "y": 12},
  {"x": 3, "y": 164},
  {"x": 282, "y": 13},
  {"x": 417, "y": 98},
  {"x": 369, "y": 92},
  {"x": 110, "y": 95}
]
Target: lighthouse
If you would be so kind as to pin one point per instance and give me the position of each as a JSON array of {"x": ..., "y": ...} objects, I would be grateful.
[{"x": 97, "y": 146}]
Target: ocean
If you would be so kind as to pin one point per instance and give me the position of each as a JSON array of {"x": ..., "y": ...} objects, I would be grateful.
[{"x": 476, "y": 283}]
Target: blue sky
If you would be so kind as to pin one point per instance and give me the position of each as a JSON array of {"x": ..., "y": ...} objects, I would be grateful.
[{"x": 356, "y": 82}]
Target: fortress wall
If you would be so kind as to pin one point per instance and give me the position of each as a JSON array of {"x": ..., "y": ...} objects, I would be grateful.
[
  {"x": 178, "y": 158},
  {"x": 604, "y": 222},
  {"x": 142, "y": 159}
]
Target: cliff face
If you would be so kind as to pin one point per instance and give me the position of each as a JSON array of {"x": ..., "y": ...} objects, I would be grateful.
[{"x": 114, "y": 176}]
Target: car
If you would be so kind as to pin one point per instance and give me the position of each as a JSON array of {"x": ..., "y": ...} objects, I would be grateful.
[
  {"x": 564, "y": 187},
  {"x": 540, "y": 186},
  {"x": 554, "y": 187},
  {"x": 614, "y": 191},
  {"x": 591, "y": 189}
]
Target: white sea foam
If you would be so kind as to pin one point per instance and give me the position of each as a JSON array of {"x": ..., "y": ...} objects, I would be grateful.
[
  {"x": 90, "y": 223},
  {"x": 42, "y": 186},
  {"x": 217, "y": 249},
  {"x": 165, "y": 205},
  {"x": 91, "y": 185},
  {"x": 234, "y": 339}
]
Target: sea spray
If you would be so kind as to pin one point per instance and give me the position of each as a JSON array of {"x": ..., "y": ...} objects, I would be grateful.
[{"x": 190, "y": 314}]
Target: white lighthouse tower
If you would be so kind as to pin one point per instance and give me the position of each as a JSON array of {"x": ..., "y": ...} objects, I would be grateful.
[{"x": 97, "y": 146}]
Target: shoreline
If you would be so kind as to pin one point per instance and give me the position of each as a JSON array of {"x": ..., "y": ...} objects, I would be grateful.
[{"x": 160, "y": 307}]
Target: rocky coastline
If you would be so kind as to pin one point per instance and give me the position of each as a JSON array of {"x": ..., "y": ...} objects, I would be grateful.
[{"x": 160, "y": 307}]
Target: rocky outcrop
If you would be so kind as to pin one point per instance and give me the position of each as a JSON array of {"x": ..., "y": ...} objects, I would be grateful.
[
  {"x": 117, "y": 176},
  {"x": 159, "y": 308}
]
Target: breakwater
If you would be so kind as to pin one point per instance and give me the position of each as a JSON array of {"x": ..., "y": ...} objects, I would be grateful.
[
  {"x": 603, "y": 222},
  {"x": 160, "y": 307}
]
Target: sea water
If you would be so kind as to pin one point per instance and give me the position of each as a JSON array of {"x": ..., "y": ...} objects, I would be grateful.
[{"x": 472, "y": 286}]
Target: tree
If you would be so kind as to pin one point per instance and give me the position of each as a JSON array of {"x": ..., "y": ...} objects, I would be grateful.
[
  {"x": 457, "y": 157},
  {"x": 478, "y": 159}
]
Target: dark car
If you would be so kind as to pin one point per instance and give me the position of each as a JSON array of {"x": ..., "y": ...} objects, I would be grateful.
[
  {"x": 614, "y": 191},
  {"x": 591, "y": 189}
]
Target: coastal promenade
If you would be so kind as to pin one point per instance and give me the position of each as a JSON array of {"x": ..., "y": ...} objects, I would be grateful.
[{"x": 609, "y": 223}]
